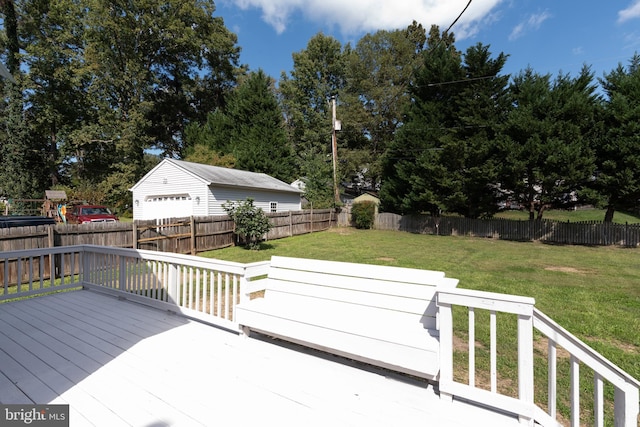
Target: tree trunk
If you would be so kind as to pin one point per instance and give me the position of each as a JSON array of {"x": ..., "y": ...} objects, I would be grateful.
[
  {"x": 532, "y": 211},
  {"x": 541, "y": 211},
  {"x": 608, "y": 216}
]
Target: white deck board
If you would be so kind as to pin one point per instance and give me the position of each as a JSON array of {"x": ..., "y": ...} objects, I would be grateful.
[{"x": 118, "y": 363}]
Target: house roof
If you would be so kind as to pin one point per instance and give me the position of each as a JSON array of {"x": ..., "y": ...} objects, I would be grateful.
[{"x": 219, "y": 176}]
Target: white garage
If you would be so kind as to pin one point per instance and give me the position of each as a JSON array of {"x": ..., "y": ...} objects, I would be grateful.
[{"x": 178, "y": 189}]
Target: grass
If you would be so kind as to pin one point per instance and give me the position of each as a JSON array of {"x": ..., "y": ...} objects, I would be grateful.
[
  {"x": 573, "y": 216},
  {"x": 594, "y": 292}
]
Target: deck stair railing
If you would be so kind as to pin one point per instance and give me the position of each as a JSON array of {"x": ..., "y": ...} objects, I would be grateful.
[{"x": 626, "y": 388}]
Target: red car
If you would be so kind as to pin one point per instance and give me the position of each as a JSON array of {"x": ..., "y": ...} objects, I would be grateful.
[{"x": 83, "y": 214}]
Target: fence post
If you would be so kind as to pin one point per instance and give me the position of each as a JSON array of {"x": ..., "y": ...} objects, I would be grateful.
[
  {"x": 135, "y": 235},
  {"x": 192, "y": 225},
  {"x": 51, "y": 236}
]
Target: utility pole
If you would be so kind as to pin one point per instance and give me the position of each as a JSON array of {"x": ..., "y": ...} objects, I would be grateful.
[{"x": 335, "y": 126}]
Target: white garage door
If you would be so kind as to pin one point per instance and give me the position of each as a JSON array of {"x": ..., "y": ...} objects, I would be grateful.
[{"x": 168, "y": 206}]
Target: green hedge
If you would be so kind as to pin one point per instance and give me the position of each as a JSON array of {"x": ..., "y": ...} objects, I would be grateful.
[{"x": 363, "y": 214}]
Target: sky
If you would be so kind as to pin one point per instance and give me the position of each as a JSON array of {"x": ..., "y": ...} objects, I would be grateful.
[{"x": 550, "y": 36}]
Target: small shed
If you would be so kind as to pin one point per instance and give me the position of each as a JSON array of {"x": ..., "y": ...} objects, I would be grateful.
[
  {"x": 177, "y": 189},
  {"x": 368, "y": 197}
]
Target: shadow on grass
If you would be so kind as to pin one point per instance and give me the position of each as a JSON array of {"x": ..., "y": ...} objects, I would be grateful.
[{"x": 261, "y": 247}]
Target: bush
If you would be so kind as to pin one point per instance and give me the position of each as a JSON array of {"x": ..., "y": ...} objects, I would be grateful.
[
  {"x": 250, "y": 221},
  {"x": 363, "y": 214}
]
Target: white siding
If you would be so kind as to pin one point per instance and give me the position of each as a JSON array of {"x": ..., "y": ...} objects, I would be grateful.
[
  {"x": 262, "y": 199},
  {"x": 169, "y": 191},
  {"x": 169, "y": 181}
]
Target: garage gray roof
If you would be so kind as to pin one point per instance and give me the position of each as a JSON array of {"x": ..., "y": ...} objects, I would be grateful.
[{"x": 216, "y": 175}]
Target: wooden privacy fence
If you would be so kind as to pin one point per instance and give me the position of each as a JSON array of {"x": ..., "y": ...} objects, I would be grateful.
[
  {"x": 570, "y": 233},
  {"x": 199, "y": 234},
  {"x": 177, "y": 235}
]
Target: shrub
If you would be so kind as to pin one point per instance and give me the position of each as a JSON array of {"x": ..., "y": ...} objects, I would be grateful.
[
  {"x": 250, "y": 221},
  {"x": 363, "y": 214}
]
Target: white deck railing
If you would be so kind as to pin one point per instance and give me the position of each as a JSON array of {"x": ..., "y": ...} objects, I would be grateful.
[
  {"x": 626, "y": 398},
  {"x": 201, "y": 288},
  {"x": 209, "y": 290}
]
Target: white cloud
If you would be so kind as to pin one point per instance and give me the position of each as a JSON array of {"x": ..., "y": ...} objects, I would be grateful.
[
  {"x": 631, "y": 12},
  {"x": 532, "y": 23},
  {"x": 356, "y": 16}
]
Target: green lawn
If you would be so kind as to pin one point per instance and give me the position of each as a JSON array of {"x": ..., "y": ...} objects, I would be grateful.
[
  {"x": 573, "y": 216},
  {"x": 594, "y": 292}
]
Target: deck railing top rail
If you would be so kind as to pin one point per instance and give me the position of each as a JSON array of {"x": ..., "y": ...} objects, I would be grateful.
[
  {"x": 626, "y": 405},
  {"x": 585, "y": 354}
]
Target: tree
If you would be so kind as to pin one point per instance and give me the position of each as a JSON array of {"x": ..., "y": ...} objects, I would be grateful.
[
  {"x": 316, "y": 174},
  {"x": 618, "y": 153},
  {"x": 250, "y": 221},
  {"x": 249, "y": 131},
  {"x": 379, "y": 71},
  {"x": 155, "y": 64},
  {"x": 470, "y": 163},
  {"x": 318, "y": 74},
  {"x": 257, "y": 136},
  {"x": 548, "y": 138},
  {"x": 52, "y": 34},
  {"x": 412, "y": 164},
  {"x": 22, "y": 174}
]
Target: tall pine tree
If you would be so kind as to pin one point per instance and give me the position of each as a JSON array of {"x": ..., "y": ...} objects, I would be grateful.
[
  {"x": 618, "y": 153},
  {"x": 257, "y": 136}
]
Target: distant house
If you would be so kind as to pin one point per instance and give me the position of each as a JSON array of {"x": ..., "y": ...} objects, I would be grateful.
[{"x": 176, "y": 189}]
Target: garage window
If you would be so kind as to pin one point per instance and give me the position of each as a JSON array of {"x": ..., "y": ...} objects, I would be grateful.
[{"x": 273, "y": 207}]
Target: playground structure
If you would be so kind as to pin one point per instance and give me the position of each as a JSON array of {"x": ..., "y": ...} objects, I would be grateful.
[{"x": 53, "y": 205}]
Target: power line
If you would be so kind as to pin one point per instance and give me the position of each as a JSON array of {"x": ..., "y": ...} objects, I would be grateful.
[
  {"x": 459, "y": 16},
  {"x": 458, "y": 81}
]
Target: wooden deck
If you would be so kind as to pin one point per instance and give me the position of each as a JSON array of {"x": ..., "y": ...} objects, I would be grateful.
[{"x": 118, "y": 363}]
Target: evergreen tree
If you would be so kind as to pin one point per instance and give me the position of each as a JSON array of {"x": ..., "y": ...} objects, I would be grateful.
[
  {"x": 444, "y": 156},
  {"x": 257, "y": 137},
  {"x": 618, "y": 153},
  {"x": 548, "y": 138},
  {"x": 467, "y": 183}
]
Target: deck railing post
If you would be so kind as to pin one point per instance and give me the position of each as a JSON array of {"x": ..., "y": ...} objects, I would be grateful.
[
  {"x": 445, "y": 324},
  {"x": 86, "y": 265},
  {"x": 626, "y": 406},
  {"x": 122, "y": 274},
  {"x": 244, "y": 289},
  {"x": 172, "y": 286},
  {"x": 525, "y": 362}
]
